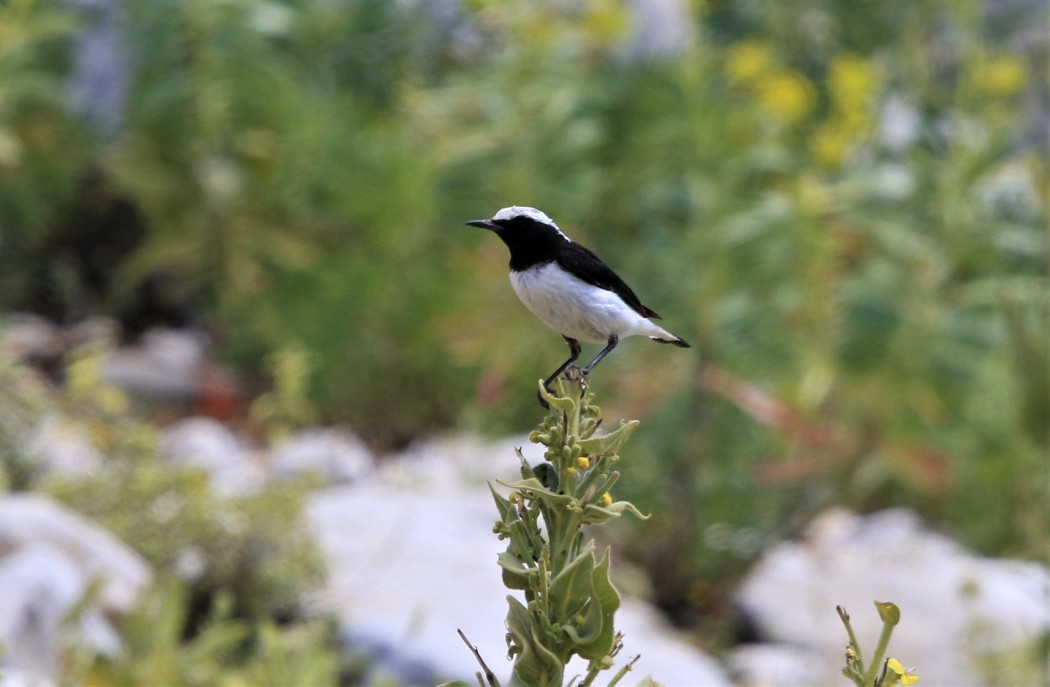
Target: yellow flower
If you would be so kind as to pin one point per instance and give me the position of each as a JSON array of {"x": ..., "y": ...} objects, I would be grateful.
[
  {"x": 84, "y": 375},
  {"x": 1001, "y": 76},
  {"x": 852, "y": 80},
  {"x": 583, "y": 462},
  {"x": 605, "y": 500},
  {"x": 903, "y": 676},
  {"x": 830, "y": 144},
  {"x": 813, "y": 195},
  {"x": 787, "y": 95},
  {"x": 748, "y": 61},
  {"x": 605, "y": 21},
  {"x": 112, "y": 400}
]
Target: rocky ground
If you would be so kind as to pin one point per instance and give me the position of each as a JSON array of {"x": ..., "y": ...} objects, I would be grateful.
[{"x": 411, "y": 559}]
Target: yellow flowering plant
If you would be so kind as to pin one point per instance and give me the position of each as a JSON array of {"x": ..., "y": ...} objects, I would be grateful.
[
  {"x": 880, "y": 672},
  {"x": 781, "y": 95},
  {"x": 1001, "y": 76},
  {"x": 569, "y": 600},
  {"x": 903, "y": 675},
  {"x": 748, "y": 61}
]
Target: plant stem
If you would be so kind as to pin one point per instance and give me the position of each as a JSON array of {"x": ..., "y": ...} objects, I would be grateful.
[
  {"x": 854, "y": 644},
  {"x": 490, "y": 676},
  {"x": 880, "y": 651},
  {"x": 623, "y": 671}
]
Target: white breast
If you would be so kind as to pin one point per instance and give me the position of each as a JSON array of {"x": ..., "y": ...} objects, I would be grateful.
[{"x": 576, "y": 309}]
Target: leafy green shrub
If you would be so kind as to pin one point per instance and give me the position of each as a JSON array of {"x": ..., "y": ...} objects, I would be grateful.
[
  {"x": 23, "y": 402},
  {"x": 227, "y": 567},
  {"x": 223, "y": 651},
  {"x": 254, "y": 548},
  {"x": 44, "y": 150}
]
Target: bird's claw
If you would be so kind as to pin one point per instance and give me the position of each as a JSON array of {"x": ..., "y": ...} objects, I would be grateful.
[
  {"x": 578, "y": 374},
  {"x": 574, "y": 374}
]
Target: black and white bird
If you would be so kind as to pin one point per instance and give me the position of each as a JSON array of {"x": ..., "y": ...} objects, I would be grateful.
[{"x": 569, "y": 288}]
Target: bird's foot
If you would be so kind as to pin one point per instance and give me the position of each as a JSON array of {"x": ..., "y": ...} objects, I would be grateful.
[
  {"x": 575, "y": 373},
  {"x": 578, "y": 375},
  {"x": 572, "y": 373}
]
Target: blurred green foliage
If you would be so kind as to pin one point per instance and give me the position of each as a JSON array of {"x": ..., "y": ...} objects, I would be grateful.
[
  {"x": 228, "y": 569},
  {"x": 253, "y": 548},
  {"x": 842, "y": 205},
  {"x": 23, "y": 404},
  {"x": 225, "y": 651}
]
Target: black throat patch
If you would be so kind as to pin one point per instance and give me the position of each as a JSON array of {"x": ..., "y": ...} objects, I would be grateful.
[{"x": 530, "y": 243}]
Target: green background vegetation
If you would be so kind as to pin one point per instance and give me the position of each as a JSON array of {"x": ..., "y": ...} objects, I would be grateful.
[{"x": 868, "y": 309}]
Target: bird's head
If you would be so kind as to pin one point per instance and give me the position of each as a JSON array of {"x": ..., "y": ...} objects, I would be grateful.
[
  {"x": 518, "y": 225},
  {"x": 531, "y": 236}
]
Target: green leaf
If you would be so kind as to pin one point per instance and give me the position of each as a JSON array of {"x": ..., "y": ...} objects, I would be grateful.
[
  {"x": 595, "y": 515},
  {"x": 557, "y": 402},
  {"x": 608, "y": 601},
  {"x": 503, "y": 505},
  {"x": 534, "y": 487},
  {"x": 515, "y": 573},
  {"x": 535, "y": 665},
  {"x": 890, "y": 614},
  {"x": 531, "y": 484},
  {"x": 1033, "y": 376},
  {"x": 609, "y": 443},
  {"x": 572, "y": 588},
  {"x": 521, "y": 539},
  {"x": 869, "y": 324}
]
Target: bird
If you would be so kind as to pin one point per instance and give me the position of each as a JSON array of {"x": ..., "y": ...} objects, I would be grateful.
[{"x": 569, "y": 288}]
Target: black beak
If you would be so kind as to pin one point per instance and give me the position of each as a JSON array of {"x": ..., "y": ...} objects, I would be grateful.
[{"x": 484, "y": 224}]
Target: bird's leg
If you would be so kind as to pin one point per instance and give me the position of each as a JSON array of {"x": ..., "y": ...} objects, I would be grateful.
[
  {"x": 613, "y": 340},
  {"x": 574, "y": 353}
]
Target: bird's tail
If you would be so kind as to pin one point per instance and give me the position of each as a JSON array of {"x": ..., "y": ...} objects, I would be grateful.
[{"x": 674, "y": 341}]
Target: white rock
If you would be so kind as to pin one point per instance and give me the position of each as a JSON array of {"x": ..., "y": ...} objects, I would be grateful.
[
  {"x": 31, "y": 518},
  {"x": 180, "y": 349},
  {"x": 413, "y": 560},
  {"x": 660, "y": 29},
  {"x": 771, "y": 665},
  {"x": 208, "y": 444},
  {"x": 62, "y": 446},
  {"x": 1012, "y": 186},
  {"x": 339, "y": 457},
  {"x": 93, "y": 332},
  {"x": 41, "y": 585},
  {"x": 955, "y": 606},
  {"x": 26, "y": 335},
  {"x": 166, "y": 364},
  {"x": 457, "y": 463},
  {"x": 22, "y": 678},
  {"x": 899, "y": 123}
]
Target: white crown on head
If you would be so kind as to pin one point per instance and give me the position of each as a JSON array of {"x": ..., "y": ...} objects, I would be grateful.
[{"x": 532, "y": 213}]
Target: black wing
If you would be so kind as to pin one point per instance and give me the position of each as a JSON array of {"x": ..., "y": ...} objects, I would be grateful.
[{"x": 586, "y": 265}]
